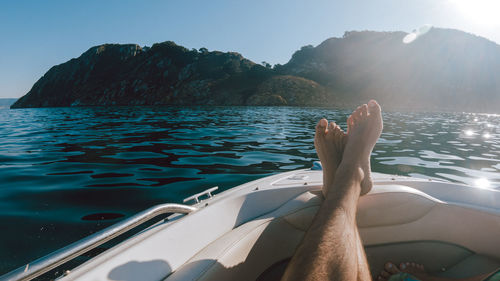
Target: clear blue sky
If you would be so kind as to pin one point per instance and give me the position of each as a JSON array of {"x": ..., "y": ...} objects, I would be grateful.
[{"x": 35, "y": 35}]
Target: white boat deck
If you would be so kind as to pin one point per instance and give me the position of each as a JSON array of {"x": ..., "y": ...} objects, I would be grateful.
[
  {"x": 242, "y": 233},
  {"x": 461, "y": 221}
]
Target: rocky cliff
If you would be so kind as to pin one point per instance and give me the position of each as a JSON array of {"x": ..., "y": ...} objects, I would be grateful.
[
  {"x": 165, "y": 74},
  {"x": 442, "y": 69}
]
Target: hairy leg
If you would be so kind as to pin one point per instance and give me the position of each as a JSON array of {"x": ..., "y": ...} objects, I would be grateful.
[{"x": 331, "y": 248}]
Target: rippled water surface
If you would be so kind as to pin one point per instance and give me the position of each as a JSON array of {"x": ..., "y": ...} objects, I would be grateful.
[{"x": 68, "y": 172}]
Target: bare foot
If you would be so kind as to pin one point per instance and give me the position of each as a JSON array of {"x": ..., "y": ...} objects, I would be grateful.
[
  {"x": 329, "y": 143},
  {"x": 414, "y": 269},
  {"x": 364, "y": 127},
  {"x": 390, "y": 269}
]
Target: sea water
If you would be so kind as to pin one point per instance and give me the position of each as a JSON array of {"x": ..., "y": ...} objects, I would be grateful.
[{"x": 68, "y": 172}]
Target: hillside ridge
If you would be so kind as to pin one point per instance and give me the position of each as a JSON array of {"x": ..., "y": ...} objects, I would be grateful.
[{"x": 442, "y": 69}]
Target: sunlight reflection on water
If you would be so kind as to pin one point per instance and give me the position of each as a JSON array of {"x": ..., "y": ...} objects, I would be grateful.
[
  {"x": 482, "y": 183},
  {"x": 62, "y": 167}
]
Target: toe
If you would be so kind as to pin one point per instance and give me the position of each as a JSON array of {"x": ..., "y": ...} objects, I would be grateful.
[
  {"x": 350, "y": 123},
  {"x": 332, "y": 126},
  {"x": 321, "y": 126},
  {"x": 385, "y": 274},
  {"x": 331, "y": 130},
  {"x": 391, "y": 268},
  {"x": 357, "y": 113},
  {"x": 358, "y": 110},
  {"x": 339, "y": 130},
  {"x": 364, "y": 110},
  {"x": 355, "y": 117},
  {"x": 373, "y": 107}
]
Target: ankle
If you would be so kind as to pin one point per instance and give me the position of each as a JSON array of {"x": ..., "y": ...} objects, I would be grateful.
[
  {"x": 346, "y": 183},
  {"x": 350, "y": 171}
]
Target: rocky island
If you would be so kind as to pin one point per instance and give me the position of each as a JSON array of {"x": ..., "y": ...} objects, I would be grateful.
[{"x": 442, "y": 69}]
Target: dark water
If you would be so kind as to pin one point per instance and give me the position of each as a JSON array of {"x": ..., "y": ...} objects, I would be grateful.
[{"x": 68, "y": 172}]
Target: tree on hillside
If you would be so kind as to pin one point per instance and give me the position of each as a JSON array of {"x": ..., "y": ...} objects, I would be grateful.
[{"x": 266, "y": 64}]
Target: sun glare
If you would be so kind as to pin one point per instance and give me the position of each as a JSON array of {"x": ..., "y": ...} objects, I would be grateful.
[
  {"x": 482, "y": 183},
  {"x": 410, "y": 37},
  {"x": 482, "y": 12}
]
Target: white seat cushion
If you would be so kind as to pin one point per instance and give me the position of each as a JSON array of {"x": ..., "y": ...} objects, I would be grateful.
[{"x": 252, "y": 248}]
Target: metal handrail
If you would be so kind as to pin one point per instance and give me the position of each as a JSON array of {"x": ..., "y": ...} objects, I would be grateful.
[
  {"x": 196, "y": 197},
  {"x": 61, "y": 256}
]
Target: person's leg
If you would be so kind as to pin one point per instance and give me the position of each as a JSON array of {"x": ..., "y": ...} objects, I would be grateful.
[{"x": 331, "y": 248}]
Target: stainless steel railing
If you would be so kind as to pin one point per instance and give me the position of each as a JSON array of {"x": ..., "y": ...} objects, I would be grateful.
[
  {"x": 196, "y": 197},
  {"x": 61, "y": 256}
]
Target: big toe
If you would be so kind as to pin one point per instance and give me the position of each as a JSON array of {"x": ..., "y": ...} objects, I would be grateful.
[
  {"x": 374, "y": 107},
  {"x": 321, "y": 127}
]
